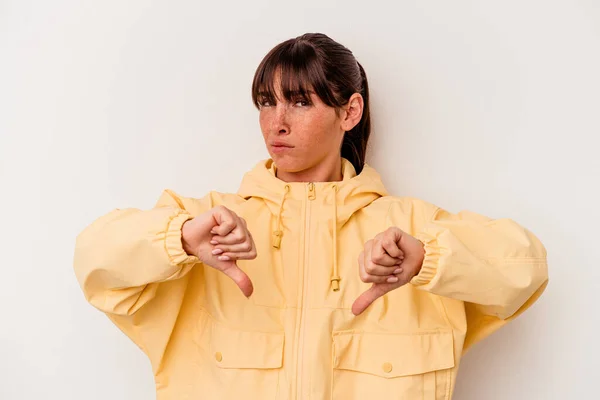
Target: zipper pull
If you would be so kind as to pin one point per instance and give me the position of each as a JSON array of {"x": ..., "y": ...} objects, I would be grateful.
[{"x": 311, "y": 191}]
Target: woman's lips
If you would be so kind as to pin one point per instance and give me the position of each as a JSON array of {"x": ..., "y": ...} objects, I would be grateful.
[{"x": 280, "y": 147}]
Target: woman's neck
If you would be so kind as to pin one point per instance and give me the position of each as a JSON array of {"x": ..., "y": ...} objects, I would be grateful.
[{"x": 325, "y": 171}]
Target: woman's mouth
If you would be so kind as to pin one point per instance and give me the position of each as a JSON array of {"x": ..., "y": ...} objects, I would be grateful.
[{"x": 281, "y": 147}]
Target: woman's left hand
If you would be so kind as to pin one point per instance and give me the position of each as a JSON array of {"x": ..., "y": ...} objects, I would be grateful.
[{"x": 389, "y": 261}]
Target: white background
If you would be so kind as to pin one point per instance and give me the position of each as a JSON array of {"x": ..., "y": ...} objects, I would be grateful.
[{"x": 482, "y": 105}]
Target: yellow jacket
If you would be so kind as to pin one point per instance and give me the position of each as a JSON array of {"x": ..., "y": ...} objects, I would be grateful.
[{"x": 295, "y": 337}]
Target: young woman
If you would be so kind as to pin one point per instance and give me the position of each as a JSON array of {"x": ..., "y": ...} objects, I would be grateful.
[{"x": 311, "y": 282}]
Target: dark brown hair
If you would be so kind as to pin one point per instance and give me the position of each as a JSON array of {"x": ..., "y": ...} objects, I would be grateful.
[{"x": 316, "y": 62}]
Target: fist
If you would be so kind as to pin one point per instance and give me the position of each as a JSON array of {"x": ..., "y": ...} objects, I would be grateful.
[
  {"x": 388, "y": 261},
  {"x": 219, "y": 238}
]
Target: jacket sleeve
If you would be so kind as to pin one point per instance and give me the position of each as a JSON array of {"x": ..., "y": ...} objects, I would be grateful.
[
  {"x": 131, "y": 265},
  {"x": 496, "y": 267},
  {"x": 122, "y": 257}
]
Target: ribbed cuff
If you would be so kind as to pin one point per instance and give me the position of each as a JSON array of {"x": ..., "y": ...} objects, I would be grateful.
[
  {"x": 173, "y": 245},
  {"x": 430, "y": 262}
]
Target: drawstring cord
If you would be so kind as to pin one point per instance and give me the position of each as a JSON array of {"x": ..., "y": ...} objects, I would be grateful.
[
  {"x": 335, "y": 279},
  {"x": 279, "y": 233}
]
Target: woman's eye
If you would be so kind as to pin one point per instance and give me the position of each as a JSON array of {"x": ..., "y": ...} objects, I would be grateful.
[
  {"x": 265, "y": 103},
  {"x": 302, "y": 103}
]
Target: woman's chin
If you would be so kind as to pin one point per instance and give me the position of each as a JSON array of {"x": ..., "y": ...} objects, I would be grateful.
[{"x": 286, "y": 163}]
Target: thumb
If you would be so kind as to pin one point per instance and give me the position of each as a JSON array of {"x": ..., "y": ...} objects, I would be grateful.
[
  {"x": 240, "y": 278},
  {"x": 364, "y": 300}
]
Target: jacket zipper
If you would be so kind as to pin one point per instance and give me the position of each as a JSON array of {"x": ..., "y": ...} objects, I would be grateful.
[{"x": 300, "y": 366}]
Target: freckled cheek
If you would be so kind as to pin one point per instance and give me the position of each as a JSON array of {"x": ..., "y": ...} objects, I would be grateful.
[
  {"x": 322, "y": 130},
  {"x": 264, "y": 123},
  {"x": 314, "y": 137},
  {"x": 262, "y": 119}
]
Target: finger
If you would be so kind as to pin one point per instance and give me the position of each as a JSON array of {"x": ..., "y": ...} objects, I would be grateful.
[
  {"x": 244, "y": 251},
  {"x": 367, "y": 298},
  {"x": 381, "y": 270},
  {"x": 379, "y": 255},
  {"x": 379, "y": 279},
  {"x": 240, "y": 278},
  {"x": 250, "y": 255},
  {"x": 226, "y": 221},
  {"x": 243, "y": 247},
  {"x": 391, "y": 247},
  {"x": 367, "y": 268},
  {"x": 237, "y": 236}
]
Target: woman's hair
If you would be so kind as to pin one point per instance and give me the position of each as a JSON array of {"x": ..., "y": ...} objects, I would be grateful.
[{"x": 316, "y": 62}]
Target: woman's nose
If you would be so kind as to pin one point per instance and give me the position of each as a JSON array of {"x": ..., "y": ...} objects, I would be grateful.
[{"x": 280, "y": 121}]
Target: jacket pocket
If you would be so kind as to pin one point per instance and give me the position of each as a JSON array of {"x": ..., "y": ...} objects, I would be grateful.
[
  {"x": 236, "y": 362},
  {"x": 392, "y": 365}
]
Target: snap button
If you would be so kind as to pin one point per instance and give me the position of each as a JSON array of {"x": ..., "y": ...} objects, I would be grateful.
[
  {"x": 218, "y": 356},
  {"x": 387, "y": 367}
]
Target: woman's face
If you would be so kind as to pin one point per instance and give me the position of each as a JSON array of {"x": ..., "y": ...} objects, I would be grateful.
[{"x": 302, "y": 133}]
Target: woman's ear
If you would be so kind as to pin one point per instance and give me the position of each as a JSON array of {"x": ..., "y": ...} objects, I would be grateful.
[{"x": 353, "y": 111}]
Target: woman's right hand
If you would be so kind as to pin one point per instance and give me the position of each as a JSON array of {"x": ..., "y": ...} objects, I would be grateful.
[{"x": 218, "y": 238}]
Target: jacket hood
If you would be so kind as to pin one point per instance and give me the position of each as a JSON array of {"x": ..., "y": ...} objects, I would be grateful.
[{"x": 353, "y": 192}]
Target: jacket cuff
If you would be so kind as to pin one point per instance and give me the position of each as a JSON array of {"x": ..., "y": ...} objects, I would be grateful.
[
  {"x": 430, "y": 262},
  {"x": 173, "y": 245}
]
